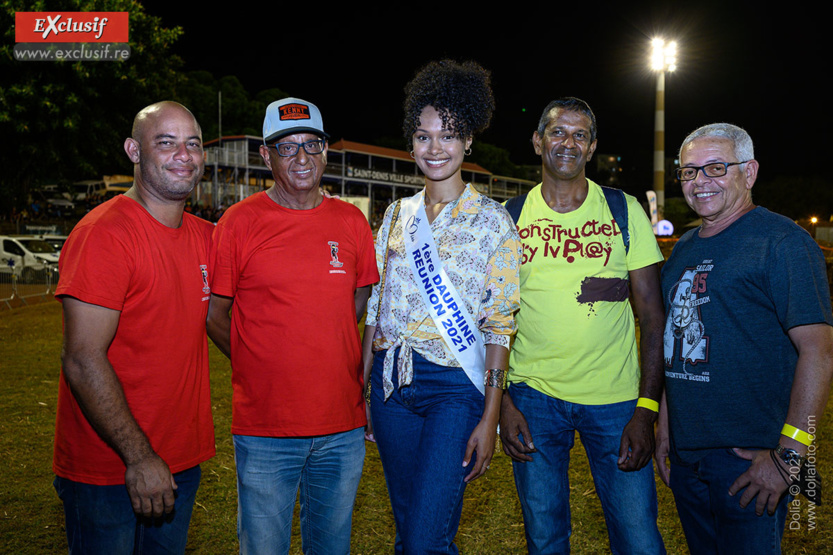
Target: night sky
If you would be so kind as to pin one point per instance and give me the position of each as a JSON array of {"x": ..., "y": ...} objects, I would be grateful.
[{"x": 737, "y": 63}]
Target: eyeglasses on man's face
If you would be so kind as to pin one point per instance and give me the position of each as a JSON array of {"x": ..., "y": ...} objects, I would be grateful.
[
  {"x": 715, "y": 169},
  {"x": 315, "y": 146}
]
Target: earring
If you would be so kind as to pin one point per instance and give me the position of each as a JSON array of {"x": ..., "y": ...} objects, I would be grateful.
[
  {"x": 411, "y": 153},
  {"x": 467, "y": 152}
]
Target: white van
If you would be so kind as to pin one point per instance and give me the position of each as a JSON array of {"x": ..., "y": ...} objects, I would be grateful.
[
  {"x": 57, "y": 241},
  {"x": 87, "y": 188},
  {"x": 28, "y": 258}
]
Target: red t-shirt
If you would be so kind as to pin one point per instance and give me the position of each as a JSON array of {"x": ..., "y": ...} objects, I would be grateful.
[
  {"x": 121, "y": 258},
  {"x": 295, "y": 347}
]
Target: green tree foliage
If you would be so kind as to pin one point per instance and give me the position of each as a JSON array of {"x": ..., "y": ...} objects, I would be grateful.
[
  {"x": 242, "y": 115},
  {"x": 494, "y": 159},
  {"x": 200, "y": 96},
  {"x": 66, "y": 120},
  {"x": 238, "y": 116}
]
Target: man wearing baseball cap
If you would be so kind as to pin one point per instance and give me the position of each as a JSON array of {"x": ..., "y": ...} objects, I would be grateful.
[{"x": 291, "y": 273}]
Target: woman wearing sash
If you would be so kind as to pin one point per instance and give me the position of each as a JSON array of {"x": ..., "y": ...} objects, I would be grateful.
[{"x": 440, "y": 321}]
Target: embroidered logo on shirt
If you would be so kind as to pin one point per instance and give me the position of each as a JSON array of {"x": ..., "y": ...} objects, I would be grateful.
[
  {"x": 204, "y": 271},
  {"x": 334, "y": 255}
]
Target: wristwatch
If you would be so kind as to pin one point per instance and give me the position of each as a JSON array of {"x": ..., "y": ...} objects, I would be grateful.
[{"x": 789, "y": 456}]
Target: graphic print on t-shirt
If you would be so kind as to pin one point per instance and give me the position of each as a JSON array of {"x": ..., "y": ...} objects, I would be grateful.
[
  {"x": 569, "y": 243},
  {"x": 685, "y": 333},
  {"x": 544, "y": 239}
]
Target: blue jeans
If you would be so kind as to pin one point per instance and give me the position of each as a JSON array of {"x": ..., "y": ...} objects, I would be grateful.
[
  {"x": 713, "y": 521},
  {"x": 421, "y": 432},
  {"x": 270, "y": 471},
  {"x": 100, "y": 519},
  {"x": 629, "y": 499}
]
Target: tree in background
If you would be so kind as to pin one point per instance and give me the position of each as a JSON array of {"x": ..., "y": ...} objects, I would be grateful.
[
  {"x": 494, "y": 159},
  {"x": 62, "y": 120},
  {"x": 65, "y": 121},
  {"x": 242, "y": 114}
]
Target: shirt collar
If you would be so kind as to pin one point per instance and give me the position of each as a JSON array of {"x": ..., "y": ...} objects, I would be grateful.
[{"x": 466, "y": 202}]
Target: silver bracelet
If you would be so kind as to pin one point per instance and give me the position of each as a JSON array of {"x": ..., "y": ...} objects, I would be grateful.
[{"x": 495, "y": 377}]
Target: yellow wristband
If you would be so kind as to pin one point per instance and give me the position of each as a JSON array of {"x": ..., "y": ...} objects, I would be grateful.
[
  {"x": 646, "y": 403},
  {"x": 799, "y": 435}
]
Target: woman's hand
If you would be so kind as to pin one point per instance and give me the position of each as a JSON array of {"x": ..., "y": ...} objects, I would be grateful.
[
  {"x": 484, "y": 436},
  {"x": 482, "y": 441}
]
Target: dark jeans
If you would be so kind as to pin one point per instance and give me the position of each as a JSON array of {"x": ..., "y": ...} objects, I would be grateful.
[
  {"x": 421, "y": 432},
  {"x": 713, "y": 521},
  {"x": 100, "y": 519}
]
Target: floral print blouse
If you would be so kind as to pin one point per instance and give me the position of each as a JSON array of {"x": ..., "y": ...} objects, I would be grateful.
[{"x": 481, "y": 252}]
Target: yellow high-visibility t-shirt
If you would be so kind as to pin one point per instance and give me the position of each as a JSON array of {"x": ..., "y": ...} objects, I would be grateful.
[{"x": 576, "y": 338}]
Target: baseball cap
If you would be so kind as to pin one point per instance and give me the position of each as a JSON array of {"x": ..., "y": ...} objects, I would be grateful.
[{"x": 292, "y": 115}]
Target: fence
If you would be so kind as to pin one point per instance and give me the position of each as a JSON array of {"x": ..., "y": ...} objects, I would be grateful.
[{"x": 31, "y": 285}]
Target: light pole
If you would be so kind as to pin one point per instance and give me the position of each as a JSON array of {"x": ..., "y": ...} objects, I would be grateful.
[{"x": 663, "y": 59}]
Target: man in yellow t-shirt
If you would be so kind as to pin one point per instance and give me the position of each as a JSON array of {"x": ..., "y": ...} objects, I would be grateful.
[{"x": 574, "y": 365}]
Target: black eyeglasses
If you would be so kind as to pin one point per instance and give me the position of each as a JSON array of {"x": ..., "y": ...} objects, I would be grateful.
[
  {"x": 715, "y": 169},
  {"x": 286, "y": 150}
]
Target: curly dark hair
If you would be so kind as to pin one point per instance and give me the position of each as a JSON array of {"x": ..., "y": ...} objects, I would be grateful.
[{"x": 460, "y": 92}]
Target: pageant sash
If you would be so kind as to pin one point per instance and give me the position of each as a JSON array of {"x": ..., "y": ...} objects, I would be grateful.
[{"x": 452, "y": 319}]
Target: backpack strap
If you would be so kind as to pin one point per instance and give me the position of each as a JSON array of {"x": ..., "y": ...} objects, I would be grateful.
[
  {"x": 514, "y": 206},
  {"x": 619, "y": 208}
]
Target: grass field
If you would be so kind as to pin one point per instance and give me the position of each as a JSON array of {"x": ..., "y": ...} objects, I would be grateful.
[{"x": 31, "y": 517}]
